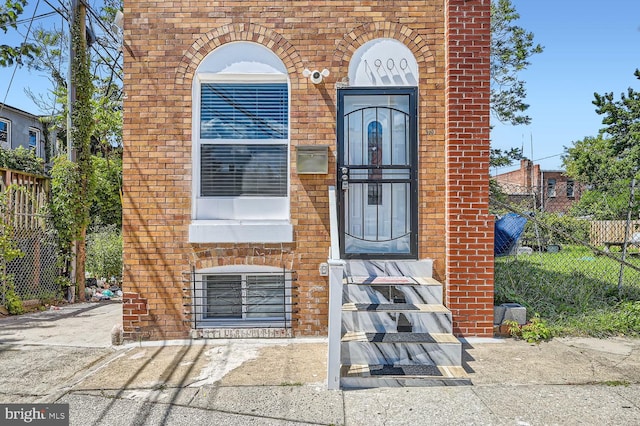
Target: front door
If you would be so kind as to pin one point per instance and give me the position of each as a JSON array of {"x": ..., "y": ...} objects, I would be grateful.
[{"x": 377, "y": 173}]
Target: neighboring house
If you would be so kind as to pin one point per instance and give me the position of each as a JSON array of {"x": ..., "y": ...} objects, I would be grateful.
[
  {"x": 534, "y": 188},
  {"x": 20, "y": 128},
  {"x": 239, "y": 117}
]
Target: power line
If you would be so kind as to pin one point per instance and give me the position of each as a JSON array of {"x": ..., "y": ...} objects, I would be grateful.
[
  {"x": 99, "y": 21},
  {"x": 65, "y": 15},
  {"x": 35, "y": 18},
  {"x": 15, "y": 66}
]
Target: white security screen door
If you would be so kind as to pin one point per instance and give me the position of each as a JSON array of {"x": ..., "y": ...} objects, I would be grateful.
[{"x": 377, "y": 175}]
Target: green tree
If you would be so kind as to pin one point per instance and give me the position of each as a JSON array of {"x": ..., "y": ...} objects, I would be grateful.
[
  {"x": 504, "y": 157},
  {"x": 511, "y": 48},
  {"x": 609, "y": 162},
  {"x": 10, "y": 11},
  {"x": 97, "y": 129},
  {"x": 104, "y": 252},
  {"x": 621, "y": 119},
  {"x": 106, "y": 208}
]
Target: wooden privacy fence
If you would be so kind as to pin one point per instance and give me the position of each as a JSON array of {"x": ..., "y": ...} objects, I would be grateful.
[
  {"x": 27, "y": 198},
  {"x": 603, "y": 231}
]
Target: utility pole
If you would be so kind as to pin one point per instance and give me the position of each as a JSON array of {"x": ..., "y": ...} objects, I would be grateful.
[
  {"x": 78, "y": 13},
  {"x": 76, "y": 44}
]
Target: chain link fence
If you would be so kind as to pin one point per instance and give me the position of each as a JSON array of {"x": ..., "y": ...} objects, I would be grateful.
[
  {"x": 35, "y": 272},
  {"x": 552, "y": 260}
]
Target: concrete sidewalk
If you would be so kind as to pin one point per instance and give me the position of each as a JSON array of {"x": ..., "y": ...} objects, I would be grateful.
[{"x": 565, "y": 381}]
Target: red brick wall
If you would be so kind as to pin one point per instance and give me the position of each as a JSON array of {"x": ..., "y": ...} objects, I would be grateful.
[
  {"x": 470, "y": 228},
  {"x": 165, "y": 42}
]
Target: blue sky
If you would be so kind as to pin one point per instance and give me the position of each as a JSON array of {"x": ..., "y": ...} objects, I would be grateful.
[{"x": 590, "y": 46}]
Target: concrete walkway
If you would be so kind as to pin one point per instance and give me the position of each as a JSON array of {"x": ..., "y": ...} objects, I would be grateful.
[{"x": 65, "y": 356}]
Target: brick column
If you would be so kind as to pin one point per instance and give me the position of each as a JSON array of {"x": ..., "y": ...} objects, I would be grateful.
[{"x": 469, "y": 266}]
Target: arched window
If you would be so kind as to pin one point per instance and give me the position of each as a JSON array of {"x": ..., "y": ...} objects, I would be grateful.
[
  {"x": 374, "y": 147},
  {"x": 241, "y": 146}
]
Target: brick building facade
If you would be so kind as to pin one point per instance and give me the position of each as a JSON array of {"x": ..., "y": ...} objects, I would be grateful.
[
  {"x": 182, "y": 221},
  {"x": 536, "y": 189}
]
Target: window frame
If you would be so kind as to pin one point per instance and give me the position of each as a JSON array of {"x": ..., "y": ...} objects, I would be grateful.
[
  {"x": 238, "y": 207},
  {"x": 37, "y": 133},
  {"x": 8, "y": 123},
  {"x": 551, "y": 187},
  {"x": 251, "y": 219},
  {"x": 200, "y": 296},
  {"x": 571, "y": 188}
]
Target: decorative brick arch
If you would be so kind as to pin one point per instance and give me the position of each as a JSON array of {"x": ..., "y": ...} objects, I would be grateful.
[
  {"x": 236, "y": 32},
  {"x": 375, "y": 30},
  {"x": 283, "y": 257}
]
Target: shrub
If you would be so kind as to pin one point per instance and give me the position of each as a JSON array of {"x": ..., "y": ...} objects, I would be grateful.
[
  {"x": 21, "y": 159},
  {"x": 104, "y": 252}
]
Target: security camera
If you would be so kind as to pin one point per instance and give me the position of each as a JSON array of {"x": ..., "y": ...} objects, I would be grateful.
[{"x": 316, "y": 76}]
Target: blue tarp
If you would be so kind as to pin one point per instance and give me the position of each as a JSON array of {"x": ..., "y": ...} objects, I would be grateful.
[{"x": 507, "y": 232}]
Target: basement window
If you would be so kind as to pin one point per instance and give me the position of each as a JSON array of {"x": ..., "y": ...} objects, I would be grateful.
[{"x": 242, "y": 298}]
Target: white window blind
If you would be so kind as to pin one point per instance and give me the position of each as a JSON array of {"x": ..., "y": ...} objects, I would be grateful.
[
  {"x": 245, "y": 297},
  {"x": 244, "y": 111},
  {"x": 243, "y": 170}
]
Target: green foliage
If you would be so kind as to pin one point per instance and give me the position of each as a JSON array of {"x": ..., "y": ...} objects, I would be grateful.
[
  {"x": 511, "y": 48},
  {"x": 555, "y": 228},
  {"x": 64, "y": 201},
  {"x": 607, "y": 163},
  {"x": 624, "y": 319},
  {"x": 104, "y": 252},
  {"x": 106, "y": 208},
  {"x": 21, "y": 159},
  {"x": 622, "y": 123},
  {"x": 611, "y": 203},
  {"x": 502, "y": 158},
  {"x": 9, "y": 251},
  {"x": 575, "y": 291},
  {"x": 536, "y": 331},
  {"x": 594, "y": 161},
  {"x": 12, "y": 301},
  {"x": 9, "y": 13}
]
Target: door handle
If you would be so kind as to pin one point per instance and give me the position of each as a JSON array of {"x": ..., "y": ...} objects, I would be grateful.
[{"x": 345, "y": 178}]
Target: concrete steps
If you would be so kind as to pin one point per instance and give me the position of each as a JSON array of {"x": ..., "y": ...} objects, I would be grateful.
[
  {"x": 370, "y": 376},
  {"x": 395, "y": 329},
  {"x": 401, "y": 349}
]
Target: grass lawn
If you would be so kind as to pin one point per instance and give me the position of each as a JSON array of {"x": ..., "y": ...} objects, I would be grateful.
[{"x": 574, "y": 290}]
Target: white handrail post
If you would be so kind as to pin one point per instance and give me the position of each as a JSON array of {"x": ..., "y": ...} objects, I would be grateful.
[{"x": 336, "y": 274}]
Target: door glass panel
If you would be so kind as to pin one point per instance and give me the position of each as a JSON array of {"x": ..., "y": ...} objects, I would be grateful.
[{"x": 377, "y": 202}]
